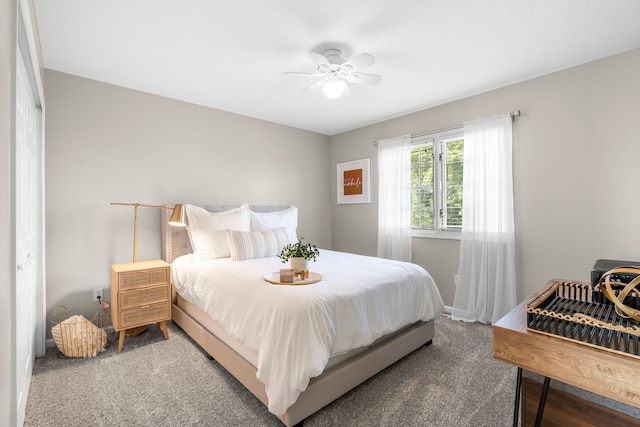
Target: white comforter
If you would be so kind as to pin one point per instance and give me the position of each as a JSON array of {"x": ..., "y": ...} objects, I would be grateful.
[{"x": 295, "y": 329}]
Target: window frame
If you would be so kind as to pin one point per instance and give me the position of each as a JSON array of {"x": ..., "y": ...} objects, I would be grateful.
[{"x": 437, "y": 139}]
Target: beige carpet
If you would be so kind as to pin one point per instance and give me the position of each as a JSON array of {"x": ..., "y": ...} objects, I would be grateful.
[{"x": 153, "y": 382}]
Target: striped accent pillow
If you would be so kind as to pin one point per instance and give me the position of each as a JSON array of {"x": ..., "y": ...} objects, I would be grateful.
[{"x": 256, "y": 244}]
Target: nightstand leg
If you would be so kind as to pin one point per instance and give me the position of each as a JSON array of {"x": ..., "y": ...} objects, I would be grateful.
[
  {"x": 163, "y": 327},
  {"x": 121, "y": 335}
]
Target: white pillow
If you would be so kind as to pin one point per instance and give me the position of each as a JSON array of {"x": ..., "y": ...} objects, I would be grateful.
[
  {"x": 256, "y": 244},
  {"x": 207, "y": 229},
  {"x": 287, "y": 218}
]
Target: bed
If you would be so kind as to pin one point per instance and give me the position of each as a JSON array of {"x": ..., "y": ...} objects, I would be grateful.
[{"x": 333, "y": 348}]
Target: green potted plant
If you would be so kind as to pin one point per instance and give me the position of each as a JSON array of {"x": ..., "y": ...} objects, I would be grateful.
[{"x": 299, "y": 254}]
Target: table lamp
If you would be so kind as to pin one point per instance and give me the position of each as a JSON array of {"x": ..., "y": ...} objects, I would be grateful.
[{"x": 176, "y": 219}]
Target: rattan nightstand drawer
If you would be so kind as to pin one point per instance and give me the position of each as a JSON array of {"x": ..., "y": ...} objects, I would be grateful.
[
  {"x": 143, "y": 296},
  {"x": 144, "y": 315},
  {"x": 137, "y": 279}
]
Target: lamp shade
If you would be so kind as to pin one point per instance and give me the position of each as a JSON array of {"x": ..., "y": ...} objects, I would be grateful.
[
  {"x": 334, "y": 89},
  {"x": 177, "y": 216}
]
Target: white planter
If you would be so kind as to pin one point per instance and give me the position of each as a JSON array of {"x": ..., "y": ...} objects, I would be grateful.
[{"x": 299, "y": 264}]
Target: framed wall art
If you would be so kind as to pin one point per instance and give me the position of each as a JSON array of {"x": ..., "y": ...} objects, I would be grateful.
[{"x": 353, "y": 182}]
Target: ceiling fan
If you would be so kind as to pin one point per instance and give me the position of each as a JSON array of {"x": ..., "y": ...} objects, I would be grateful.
[{"x": 334, "y": 72}]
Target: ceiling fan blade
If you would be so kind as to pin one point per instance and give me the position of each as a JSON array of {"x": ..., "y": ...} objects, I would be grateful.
[
  {"x": 364, "y": 78},
  {"x": 319, "y": 59},
  {"x": 313, "y": 85},
  {"x": 300, "y": 73},
  {"x": 361, "y": 61}
]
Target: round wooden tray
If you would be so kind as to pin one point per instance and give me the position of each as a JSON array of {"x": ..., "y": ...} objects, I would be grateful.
[{"x": 274, "y": 278}]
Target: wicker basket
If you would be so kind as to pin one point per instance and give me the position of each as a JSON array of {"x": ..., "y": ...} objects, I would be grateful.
[
  {"x": 80, "y": 333},
  {"x": 572, "y": 310}
]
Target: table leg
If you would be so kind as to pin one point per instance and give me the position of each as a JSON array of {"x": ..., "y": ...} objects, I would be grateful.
[
  {"x": 163, "y": 327},
  {"x": 543, "y": 400},
  {"x": 516, "y": 406},
  {"x": 121, "y": 333}
]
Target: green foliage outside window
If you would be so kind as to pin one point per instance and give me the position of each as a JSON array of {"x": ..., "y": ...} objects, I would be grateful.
[
  {"x": 422, "y": 187},
  {"x": 454, "y": 154}
]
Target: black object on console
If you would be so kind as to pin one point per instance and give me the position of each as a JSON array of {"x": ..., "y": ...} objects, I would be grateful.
[{"x": 603, "y": 265}]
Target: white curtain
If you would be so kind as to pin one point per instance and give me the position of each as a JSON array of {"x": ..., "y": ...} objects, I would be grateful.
[
  {"x": 394, "y": 198},
  {"x": 486, "y": 287}
]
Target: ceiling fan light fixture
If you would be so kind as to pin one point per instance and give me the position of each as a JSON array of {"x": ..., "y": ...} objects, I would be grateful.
[
  {"x": 335, "y": 75},
  {"x": 334, "y": 89}
]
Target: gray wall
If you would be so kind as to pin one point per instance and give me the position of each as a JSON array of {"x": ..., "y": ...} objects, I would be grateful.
[
  {"x": 111, "y": 144},
  {"x": 575, "y": 162}
]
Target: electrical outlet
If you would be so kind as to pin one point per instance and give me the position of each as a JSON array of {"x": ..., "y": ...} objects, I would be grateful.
[{"x": 97, "y": 293}]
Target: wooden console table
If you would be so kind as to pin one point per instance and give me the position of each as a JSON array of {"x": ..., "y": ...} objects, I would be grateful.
[{"x": 609, "y": 374}]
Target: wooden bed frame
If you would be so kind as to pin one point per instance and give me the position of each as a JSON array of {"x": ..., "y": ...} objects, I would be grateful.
[{"x": 321, "y": 390}]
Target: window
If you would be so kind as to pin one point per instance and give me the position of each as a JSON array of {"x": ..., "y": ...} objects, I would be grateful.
[
  {"x": 436, "y": 183},
  {"x": 422, "y": 187},
  {"x": 451, "y": 166}
]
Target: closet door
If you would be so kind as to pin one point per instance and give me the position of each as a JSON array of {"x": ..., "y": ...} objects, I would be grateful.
[{"x": 29, "y": 233}]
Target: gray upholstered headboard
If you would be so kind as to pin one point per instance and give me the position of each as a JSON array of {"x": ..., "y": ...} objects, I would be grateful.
[{"x": 175, "y": 241}]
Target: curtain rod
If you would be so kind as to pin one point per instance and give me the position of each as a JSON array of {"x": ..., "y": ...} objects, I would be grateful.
[{"x": 513, "y": 115}]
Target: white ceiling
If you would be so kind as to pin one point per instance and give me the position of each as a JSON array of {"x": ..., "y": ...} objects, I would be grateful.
[{"x": 229, "y": 54}]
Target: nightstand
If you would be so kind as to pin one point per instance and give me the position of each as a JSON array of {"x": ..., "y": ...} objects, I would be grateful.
[{"x": 140, "y": 295}]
